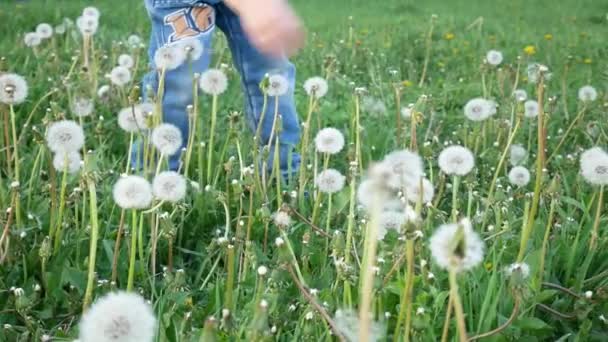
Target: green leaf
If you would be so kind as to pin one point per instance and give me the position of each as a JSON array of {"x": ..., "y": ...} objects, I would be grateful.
[{"x": 532, "y": 323}]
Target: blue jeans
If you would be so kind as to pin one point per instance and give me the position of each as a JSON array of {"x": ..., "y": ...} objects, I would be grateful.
[{"x": 174, "y": 21}]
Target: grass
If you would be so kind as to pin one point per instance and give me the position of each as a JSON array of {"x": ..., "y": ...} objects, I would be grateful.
[{"x": 383, "y": 45}]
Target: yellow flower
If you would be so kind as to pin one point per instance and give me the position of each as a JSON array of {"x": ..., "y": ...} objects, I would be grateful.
[
  {"x": 548, "y": 36},
  {"x": 488, "y": 266},
  {"x": 449, "y": 36},
  {"x": 406, "y": 83},
  {"x": 530, "y": 50},
  {"x": 587, "y": 60}
]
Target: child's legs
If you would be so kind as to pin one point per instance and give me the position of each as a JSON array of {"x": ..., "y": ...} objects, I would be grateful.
[
  {"x": 253, "y": 66},
  {"x": 175, "y": 22}
]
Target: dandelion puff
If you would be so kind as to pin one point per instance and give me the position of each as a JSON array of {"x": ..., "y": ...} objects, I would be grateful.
[
  {"x": 281, "y": 219},
  {"x": 87, "y": 25},
  {"x": 347, "y": 322},
  {"x": 406, "y": 167},
  {"x": 134, "y": 40},
  {"x": 193, "y": 49},
  {"x": 329, "y": 140},
  {"x": 118, "y": 317},
  {"x": 167, "y": 138},
  {"x": 120, "y": 76},
  {"x": 456, "y": 160},
  {"x": 67, "y": 161},
  {"x": 377, "y": 185},
  {"x": 213, "y": 82},
  {"x": 82, "y": 107},
  {"x": 390, "y": 220},
  {"x": 463, "y": 256},
  {"x": 494, "y": 57},
  {"x": 416, "y": 191},
  {"x": 316, "y": 87},
  {"x": 330, "y": 181},
  {"x": 13, "y": 89},
  {"x": 520, "y": 269},
  {"x": 378, "y": 108},
  {"x": 519, "y": 176},
  {"x": 520, "y": 95},
  {"x": 92, "y": 12},
  {"x": 126, "y": 61},
  {"x": 60, "y": 29},
  {"x": 32, "y": 39},
  {"x": 169, "y": 57},
  {"x": 535, "y": 70},
  {"x": 65, "y": 136},
  {"x": 406, "y": 112},
  {"x": 131, "y": 119},
  {"x": 518, "y": 154},
  {"x": 132, "y": 192},
  {"x": 478, "y": 109},
  {"x": 277, "y": 85},
  {"x": 531, "y": 109},
  {"x": 44, "y": 30},
  {"x": 103, "y": 92},
  {"x": 587, "y": 94},
  {"x": 169, "y": 186},
  {"x": 594, "y": 166}
]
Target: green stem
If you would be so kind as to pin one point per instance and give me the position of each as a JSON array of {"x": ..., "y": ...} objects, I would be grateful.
[
  {"x": 596, "y": 223},
  {"x": 459, "y": 312},
  {"x": 93, "y": 243},
  {"x": 455, "y": 186},
  {"x": 211, "y": 138},
  {"x": 132, "y": 251}
]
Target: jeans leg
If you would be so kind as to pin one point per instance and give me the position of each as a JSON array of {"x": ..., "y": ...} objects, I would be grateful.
[{"x": 253, "y": 66}]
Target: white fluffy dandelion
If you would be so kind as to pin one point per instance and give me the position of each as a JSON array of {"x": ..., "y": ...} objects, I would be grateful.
[
  {"x": 518, "y": 154},
  {"x": 478, "y": 109},
  {"x": 456, "y": 160},
  {"x": 60, "y": 29},
  {"x": 120, "y": 76},
  {"x": 32, "y": 39},
  {"x": 87, "y": 25},
  {"x": 316, "y": 87},
  {"x": 451, "y": 254},
  {"x": 594, "y": 166},
  {"x": 92, "y": 12},
  {"x": 103, "y": 92},
  {"x": 193, "y": 49},
  {"x": 118, "y": 317},
  {"x": 531, "y": 109},
  {"x": 520, "y": 269},
  {"x": 65, "y": 136},
  {"x": 277, "y": 85},
  {"x": 519, "y": 176},
  {"x": 520, "y": 95},
  {"x": 406, "y": 112},
  {"x": 587, "y": 94},
  {"x": 390, "y": 220},
  {"x": 329, "y": 140},
  {"x": 494, "y": 57},
  {"x": 420, "y": 190},
  {"x": 13, "y": 89},
  {"x": 44, "y": 30},
  {"x": 281, "y": 219},
  {"x": 169, "y": 186},
  {"x": 213, "y": 82},
  {"x": 406, "y": 168},
  {"x": 167, "y": 138},
  {"x": 132, "y": 119},
  {"x": 169, "y": 57},
  {"x": 69, "y": 162},
  {"x": 82, "y": 106},
  {"x": 125, "y": 60},
  {"x": 347, "y": 322},
  {"x": 330, "y": 181},
  {"x": 132, "y": 192},
  {"x": 134, "y": 41}
]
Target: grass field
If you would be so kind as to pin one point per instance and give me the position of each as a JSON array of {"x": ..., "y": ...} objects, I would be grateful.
[{"x": 241, "y": 260}]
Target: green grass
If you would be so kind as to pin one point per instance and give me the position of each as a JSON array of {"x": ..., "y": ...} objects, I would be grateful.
[{"x": 382, "y": 45}]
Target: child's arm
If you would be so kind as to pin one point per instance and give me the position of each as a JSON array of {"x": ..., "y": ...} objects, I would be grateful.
[{"x": 271, "y": 25}]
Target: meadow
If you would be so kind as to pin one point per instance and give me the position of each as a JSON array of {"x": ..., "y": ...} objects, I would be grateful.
[{"x": 452, "y": 186}]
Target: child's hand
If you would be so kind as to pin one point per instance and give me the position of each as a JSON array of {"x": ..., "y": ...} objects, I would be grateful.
[{"x": 271, "y": 25}]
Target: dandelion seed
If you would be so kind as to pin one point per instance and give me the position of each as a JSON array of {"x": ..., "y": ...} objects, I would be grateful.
[
  {"x": 60, "y": 29},
  {"x": 44, "y": 30},
  {"x": 92, "y": 12},
  {"x": 450, "y": 251},
  {"x": 120, "y": 76},
  {"x": 478, "y": 109},
  {"x": 588, "y": 294},
  {"x": 132, "y": 119},
  {"x": 330, "y": 181},
  {"x": 82, "y": 107},
  {"x": 193, "y": 49},
  {"x": 103, "y": 92},
  {"x": 167, "y": 139},
  {"x": 531, "y": 109},
  {"x": 169, "y": 57},
  {"x": 262, "y": 270},
  {"x": 587, "y": 94},
  {"x": 126, "y": 61},
  {"x": 134, "y": 41},
  {"x": 169, "y": 186},
  {"x": 67, "y": 161},
  {"x": 390, "y": 220},
  {"x": 65, "y": 136},
  {"x": 520, "y": 269},
  {"x": 417, "y": 191},
  {"x": 213, "y": 82},
  {"x": 329, "y": 140},
  {"x": 520, "y": 95},
  {"x": 406, "y": 168},
  {"x": 13, "y": 89},
  {"x": 87, "y": 25},
  {"x": 494, "y": 57},
  {"x": 594, "y": 166},
  {"x": 119, "y": 316},
  {"x": 519, "y": 176},
  {"x": 316, "y": 87},
  {"x": 456, "y": 160},
  {"x": 519, "y": 154},
  {"x": 406, "y": 112},
  {"x": 32, "y": 39},
  {"x": 278, "y": 85},
  {"x": 281, "y": 219},
  {"x": 535, "y": 71},
  {"x": 132, "y": 192},
  {"x": 347, "y": 322}
]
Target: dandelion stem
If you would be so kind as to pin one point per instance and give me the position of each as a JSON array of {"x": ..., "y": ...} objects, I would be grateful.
[
  {"x": 578, "y": 117},
  {"x": 446, "y": 323},
  {"x": 543, "y": 252},
  {"x": 304, "y": 152},
  {"x": 93, "y": 242},
  {"x": 462, "y": 329},
  {"x": 16, "y": 159},
  {"x": 455, "y": 186},
  {"x": 59, "y": 223},
  {"x": 505, "y": 325},
  {"x": 228, "y": 301},
  {"x": 115, "y": 257},
  {"x": 405, "y": 307},
  {"x": 132, "y": 250},
  {"x": 596, "y": 223},
  {"x": 427, "y": 54},
  {"x": 211, "y": 138}
]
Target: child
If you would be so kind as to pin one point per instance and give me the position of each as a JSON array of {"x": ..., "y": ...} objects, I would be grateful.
[{"x": 260, "y": 33}]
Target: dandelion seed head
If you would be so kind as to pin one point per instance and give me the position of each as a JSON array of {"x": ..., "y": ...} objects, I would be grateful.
[
  {"x": 167, "y": 138},
  {"x": 316, "y": 87},
  {"x": 330, "y": 181},
  {"x": 44, "y": 30},
  {"x": 32, "y": 39},
  {"x": 519, "y": 176},
  {"x": 456, "y": 160},
  {"x": 103, "y": 92},
  {"x": 133, "y": 119},
  {"x": 119, "y": 316},
  {"x": 594, "y": 166},
  {"x": 82, "y": 106},
  {"x": 278, "y": 85},
  {"x": 193, "y": 49},
  {"x": 587, "y": 94},
  {"x": 519, "y": 154},
  {"x": 13, "y": 89},
  {"x": 406, "y": 112},
  {"x": 65, "y": 136},
  {"x": 169, "y": 57},
  {"x": 120, "y": 76},
  {"x": 520, "y": 269},
  {"x": 329, "y": 140},
  {"x": 213, "y": 82},
  {"x": 134, "y": 41},
  {"x": 494, "y": 57},
  {"x": 478, "y": 109},
  {"x": 169, "y": 186},
  {"x": 132, "y": 192},
  {"x": 92, "y": 12},
  {"x": 406, "y": 168},
  {"x": 347, "y": 322},
  {"x": 390, "y": 220},
  {"x": 126, "y": 61},
  {"x": 449, "y": 254},
  {"x": 88, "y": 24},
  {"x": 69, "y": 162},
  {"x": 281, "y": 219},
  {"x": 520, "y": 95},
  {"x": 417, "y": 191}
]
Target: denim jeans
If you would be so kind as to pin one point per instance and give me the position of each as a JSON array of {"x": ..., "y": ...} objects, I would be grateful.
[{"x": 174, "y": 21}]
